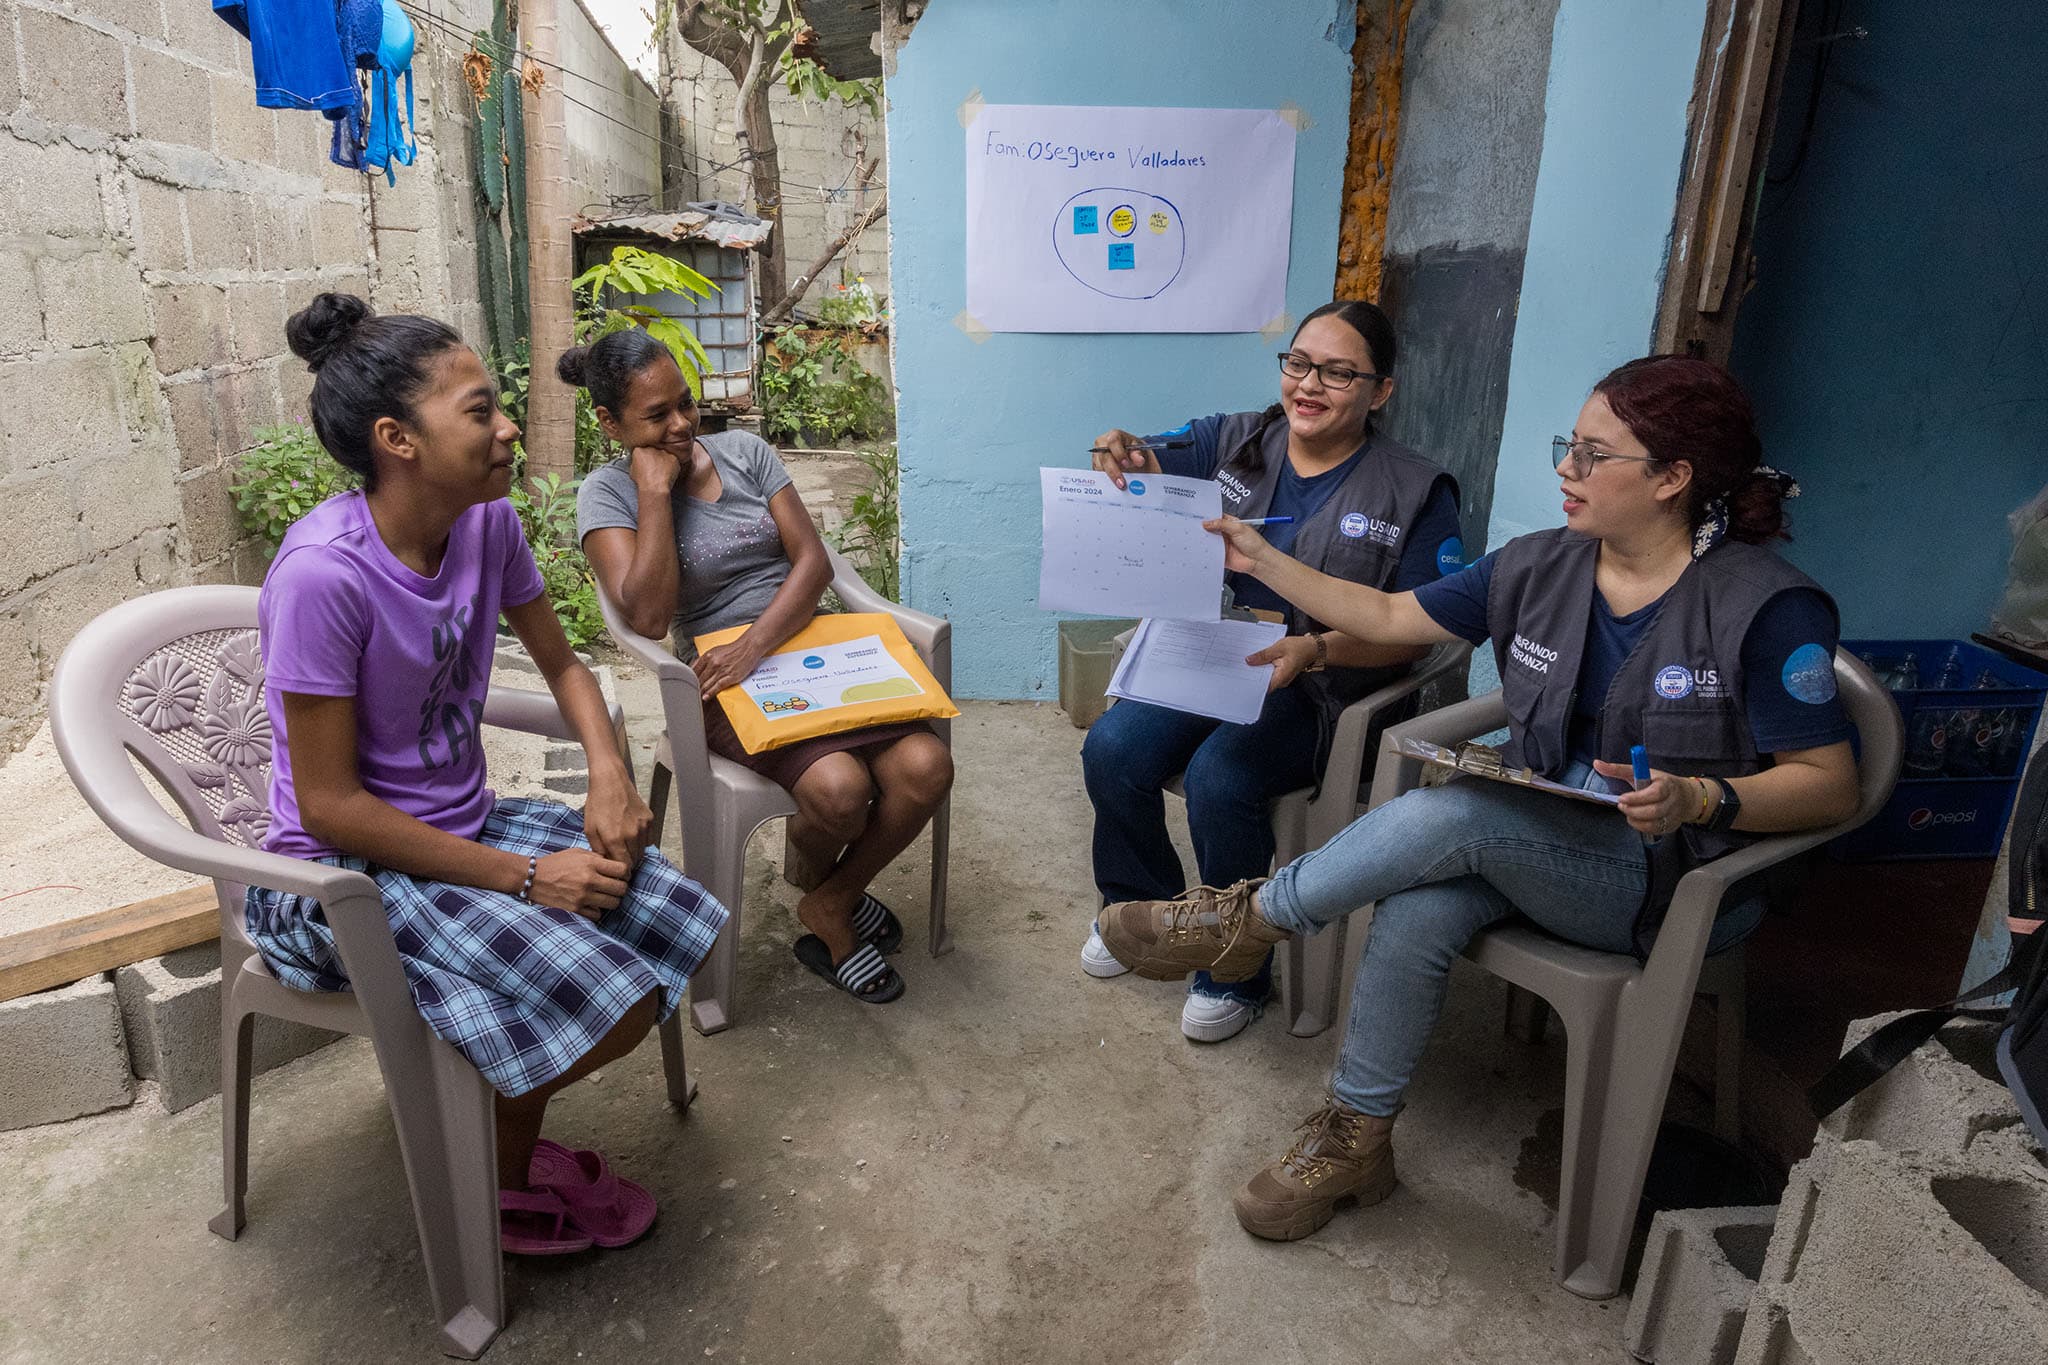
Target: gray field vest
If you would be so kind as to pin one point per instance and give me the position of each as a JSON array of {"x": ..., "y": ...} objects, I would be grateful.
[
  {"x": 1679, "y": 693},
  {"x": 1358, "y": 535}
]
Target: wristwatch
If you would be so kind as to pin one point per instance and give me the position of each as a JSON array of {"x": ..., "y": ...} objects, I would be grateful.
[
  {"x": 1724, "y": 814},
  {"x": 1322, "y": 659}
]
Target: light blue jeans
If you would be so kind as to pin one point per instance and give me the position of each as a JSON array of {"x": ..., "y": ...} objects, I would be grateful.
[{"x": 1444, "y": 863}]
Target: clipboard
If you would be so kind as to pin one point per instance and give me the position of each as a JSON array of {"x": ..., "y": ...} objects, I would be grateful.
[{"x": 1441, "y": 765}]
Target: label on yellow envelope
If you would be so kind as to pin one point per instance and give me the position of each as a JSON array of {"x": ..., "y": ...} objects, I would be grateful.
[{"x": 838, "y": 673}]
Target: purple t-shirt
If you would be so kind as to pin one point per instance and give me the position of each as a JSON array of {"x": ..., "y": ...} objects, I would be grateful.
[{"x": 342, "y": 617}]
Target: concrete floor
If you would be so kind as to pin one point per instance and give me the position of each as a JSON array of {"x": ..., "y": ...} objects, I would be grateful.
[{"x": 1013, "y": 1163}]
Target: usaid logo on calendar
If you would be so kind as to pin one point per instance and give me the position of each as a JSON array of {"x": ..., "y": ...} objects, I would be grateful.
[{"x": 1673, "y": 681}]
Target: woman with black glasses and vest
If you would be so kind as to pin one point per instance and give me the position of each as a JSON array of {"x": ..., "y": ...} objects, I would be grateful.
[
  {"x": 1341, "y": 497},
  {"x": 1654, "y": 616}
]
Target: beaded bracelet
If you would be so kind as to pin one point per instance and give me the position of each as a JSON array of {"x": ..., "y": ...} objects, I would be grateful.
[{"x": 532, "y": 869}]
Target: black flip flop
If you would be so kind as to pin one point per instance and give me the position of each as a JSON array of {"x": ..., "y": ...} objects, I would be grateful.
[
  {"x": 876, "y": 923},
  {"x": 862, "y": 967}
]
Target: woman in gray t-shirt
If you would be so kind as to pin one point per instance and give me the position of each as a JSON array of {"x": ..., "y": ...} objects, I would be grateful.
[{"x": 690, "y": 534}]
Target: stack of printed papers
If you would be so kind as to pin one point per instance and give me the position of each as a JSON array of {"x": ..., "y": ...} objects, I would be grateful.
[{"x": 1199, "y": 667}]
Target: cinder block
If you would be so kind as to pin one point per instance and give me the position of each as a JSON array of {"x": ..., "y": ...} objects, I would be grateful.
[
  {"x": 45, "y": 535},
  {"x": 49, "y": 189},
  {"x": 1923, "y": 1258},
  {"x": 1936, "y": 1101},
  {"x": 209, "y": 520},
  {"x": 340, "y": 232},
  {"x": 170, "y": 1007},
  {"x": 192, "y": 424},
  {"x": 157, "y": 226},
  {"x": 92, "y": 300},
  {"x": 1699, "y": 1269},
  {"x": 57, "y": 407},
  {"x": 242, "y": 129},
  {"x": 223, "y": 227},
  {"x": 245, "y": 401},
  {"x": 119, "y": 499},
  {"x": 75, "y": 74},
  {"x": 190, "y": 326},
  {"x": 198, "y": 32},
  {"x": 1767, "y": 1337},
  {"x": 21, "y": 671},
  {"x": 170, "y": 101},
  {"x": 256, "y": 318},
  {"x": 286, "y": 242},
  {"x": 62, "y": 1055},
  {"x": 21, "y": 311},
  {"x": 61, "y": 610},
  {"x": 145, "y": 17}
]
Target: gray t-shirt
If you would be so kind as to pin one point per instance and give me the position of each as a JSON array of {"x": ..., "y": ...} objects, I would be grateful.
[{"x": 733, "y": 562}]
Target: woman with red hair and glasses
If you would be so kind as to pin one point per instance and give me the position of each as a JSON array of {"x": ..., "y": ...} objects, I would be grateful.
[{"x": 1655, "y": 616}]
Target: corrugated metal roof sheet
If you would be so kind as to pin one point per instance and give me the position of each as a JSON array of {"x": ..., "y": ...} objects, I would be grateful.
[{"x": 721, "y": 224}]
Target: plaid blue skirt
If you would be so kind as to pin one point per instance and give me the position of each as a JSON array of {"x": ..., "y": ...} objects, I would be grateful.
[{"x": 521, "y": 990}]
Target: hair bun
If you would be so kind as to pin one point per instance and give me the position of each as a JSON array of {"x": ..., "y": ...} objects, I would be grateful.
[
  {"x": 316, "y": 330},
  {"x": 572, "y": 367}
]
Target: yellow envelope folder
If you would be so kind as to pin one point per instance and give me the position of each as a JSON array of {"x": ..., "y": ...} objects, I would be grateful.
[{"x": 865, "y": 704}]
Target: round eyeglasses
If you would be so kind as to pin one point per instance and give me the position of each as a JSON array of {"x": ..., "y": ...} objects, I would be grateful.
[{"x": 1576, "y": 459}]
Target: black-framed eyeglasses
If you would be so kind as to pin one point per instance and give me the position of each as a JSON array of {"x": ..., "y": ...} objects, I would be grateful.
[
  {"x": 1577, "y": 459},
  {"x": 1333, "y": 376}
]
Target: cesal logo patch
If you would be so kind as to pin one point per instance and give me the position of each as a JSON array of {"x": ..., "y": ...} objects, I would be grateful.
[
  {"x": 1137, "y": 486},
  {"x": 1809, "y": 675},
  {"x": 1353, "y": 525},
  {"x": 813, "y": 661},
  {"x": 1673, "y": 681},
  {"x": 1450, "y": 556}
]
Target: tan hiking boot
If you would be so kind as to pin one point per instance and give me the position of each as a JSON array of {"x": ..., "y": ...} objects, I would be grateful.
[
  {"x": 1341, "y": 1154},
  {"x": 1205, "y": 929}
]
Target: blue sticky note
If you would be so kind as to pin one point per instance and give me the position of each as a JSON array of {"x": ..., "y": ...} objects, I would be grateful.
[
  {"x": 1123, "y": 256},
  {"x": 1084, "y": 219}
]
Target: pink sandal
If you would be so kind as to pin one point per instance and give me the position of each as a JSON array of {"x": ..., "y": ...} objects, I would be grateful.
[
  {"x": 611, "y": 1210},
  {"x": 537, "y": 1223}
]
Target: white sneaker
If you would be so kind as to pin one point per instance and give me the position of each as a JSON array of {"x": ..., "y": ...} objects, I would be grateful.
[
  {"x": 1096, "y": 960},
  {"x": 1213, "y": 1018}
]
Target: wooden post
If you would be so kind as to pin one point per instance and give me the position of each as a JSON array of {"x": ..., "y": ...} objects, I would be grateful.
[{"x": 550, "y": 404}]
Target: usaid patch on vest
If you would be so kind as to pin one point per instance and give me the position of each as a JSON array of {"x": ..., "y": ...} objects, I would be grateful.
[
  {"x": 1359, "y": 526},
  {"x": 1675, "y": 682}
]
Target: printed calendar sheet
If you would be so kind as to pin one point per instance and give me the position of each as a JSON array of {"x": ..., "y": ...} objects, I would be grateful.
[{"x": 1139, "y": 550}]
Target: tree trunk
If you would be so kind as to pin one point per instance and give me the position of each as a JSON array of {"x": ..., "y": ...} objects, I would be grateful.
[
  {"x": 746, "y": 53},
  {"x": 781, "y": 308},
  {"x": 550, "y": 404}
]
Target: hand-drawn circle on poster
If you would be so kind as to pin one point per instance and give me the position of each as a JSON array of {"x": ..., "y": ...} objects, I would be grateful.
[{"x": 1093, "y": 235}]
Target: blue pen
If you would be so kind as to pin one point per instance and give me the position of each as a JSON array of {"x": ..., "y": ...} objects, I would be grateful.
[
  {"x": 1639, "y": 759},
  {"x": 1269, "y": 521}
]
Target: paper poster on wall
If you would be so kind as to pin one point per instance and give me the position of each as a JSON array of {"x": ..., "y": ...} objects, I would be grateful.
[{"x": 1086, "y": 218}]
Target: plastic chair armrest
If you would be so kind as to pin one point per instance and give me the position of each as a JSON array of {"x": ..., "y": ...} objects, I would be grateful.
[
  {"x": 535, "y": 713},
  {"x": 1345, "y": 767}
]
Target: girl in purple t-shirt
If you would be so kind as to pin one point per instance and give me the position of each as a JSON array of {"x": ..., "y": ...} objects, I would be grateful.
[{"x": 539, "y": 942}]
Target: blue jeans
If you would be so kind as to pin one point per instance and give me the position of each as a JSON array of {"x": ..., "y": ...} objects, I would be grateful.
[
  {"x": 1444, "y": 863},
  {"x": 1233, "y": 774}
]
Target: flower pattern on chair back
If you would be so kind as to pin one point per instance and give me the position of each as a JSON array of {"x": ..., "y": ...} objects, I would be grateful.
[{"x": 200, "y": 698}]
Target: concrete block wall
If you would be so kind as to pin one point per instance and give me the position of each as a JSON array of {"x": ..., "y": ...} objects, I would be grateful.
[
  {"x": 156, "y": 229},
  {"x": 818, "y": 144},
  {"x": 1917, "y": 1230}
]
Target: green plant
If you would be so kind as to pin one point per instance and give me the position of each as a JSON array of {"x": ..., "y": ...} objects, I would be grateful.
[
  {"x": 813, "y": 390},
  {"x": 633, "y": 271},
  {"x": 514, "y": 373},
  {"x": 547, "y": 509},
  {"x": 853, "y": 305},
  {"x": 285, "y": 475},
  {"x": 872, "y": 534},
  {"x": 804, "y": 78}
]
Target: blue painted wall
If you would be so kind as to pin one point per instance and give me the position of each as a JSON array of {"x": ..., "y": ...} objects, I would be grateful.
[
  {"x": 1599, "y": 231},
  {"x": 1895, "y": 343},
  {"x": 976, "y": 420}
]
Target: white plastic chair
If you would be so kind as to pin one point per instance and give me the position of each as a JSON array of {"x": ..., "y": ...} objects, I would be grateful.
[
  {"x": 174, "y": 681},
  {"x": 721, "y": 804},
  {"x": 1624, "y": 1018},
  {"x": 1310, "y": 982}
]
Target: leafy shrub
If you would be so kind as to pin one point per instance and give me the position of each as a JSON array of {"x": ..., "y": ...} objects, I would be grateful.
[
  {"x": 813, "y": 391},
  {"x": 547, "y": 509},
  {"x": 872, "y": 534}
]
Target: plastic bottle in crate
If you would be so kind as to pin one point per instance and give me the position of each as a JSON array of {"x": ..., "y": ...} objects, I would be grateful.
[
  {"x": 1907, "y": 678},
  {"x": 1973, "y": 738},
  {"x": 1951, "y": 675}
]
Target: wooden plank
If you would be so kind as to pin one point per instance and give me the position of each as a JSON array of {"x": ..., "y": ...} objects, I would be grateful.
[
  {"x": 1738, "y": 152},
  {"x": 59, "y": 954}
]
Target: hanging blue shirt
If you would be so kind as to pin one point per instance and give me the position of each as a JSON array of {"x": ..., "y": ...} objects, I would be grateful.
[{"x": 295, "y": 50}]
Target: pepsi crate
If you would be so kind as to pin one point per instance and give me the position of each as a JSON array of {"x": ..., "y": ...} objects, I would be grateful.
[{"x": 1965, "y": 747}]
